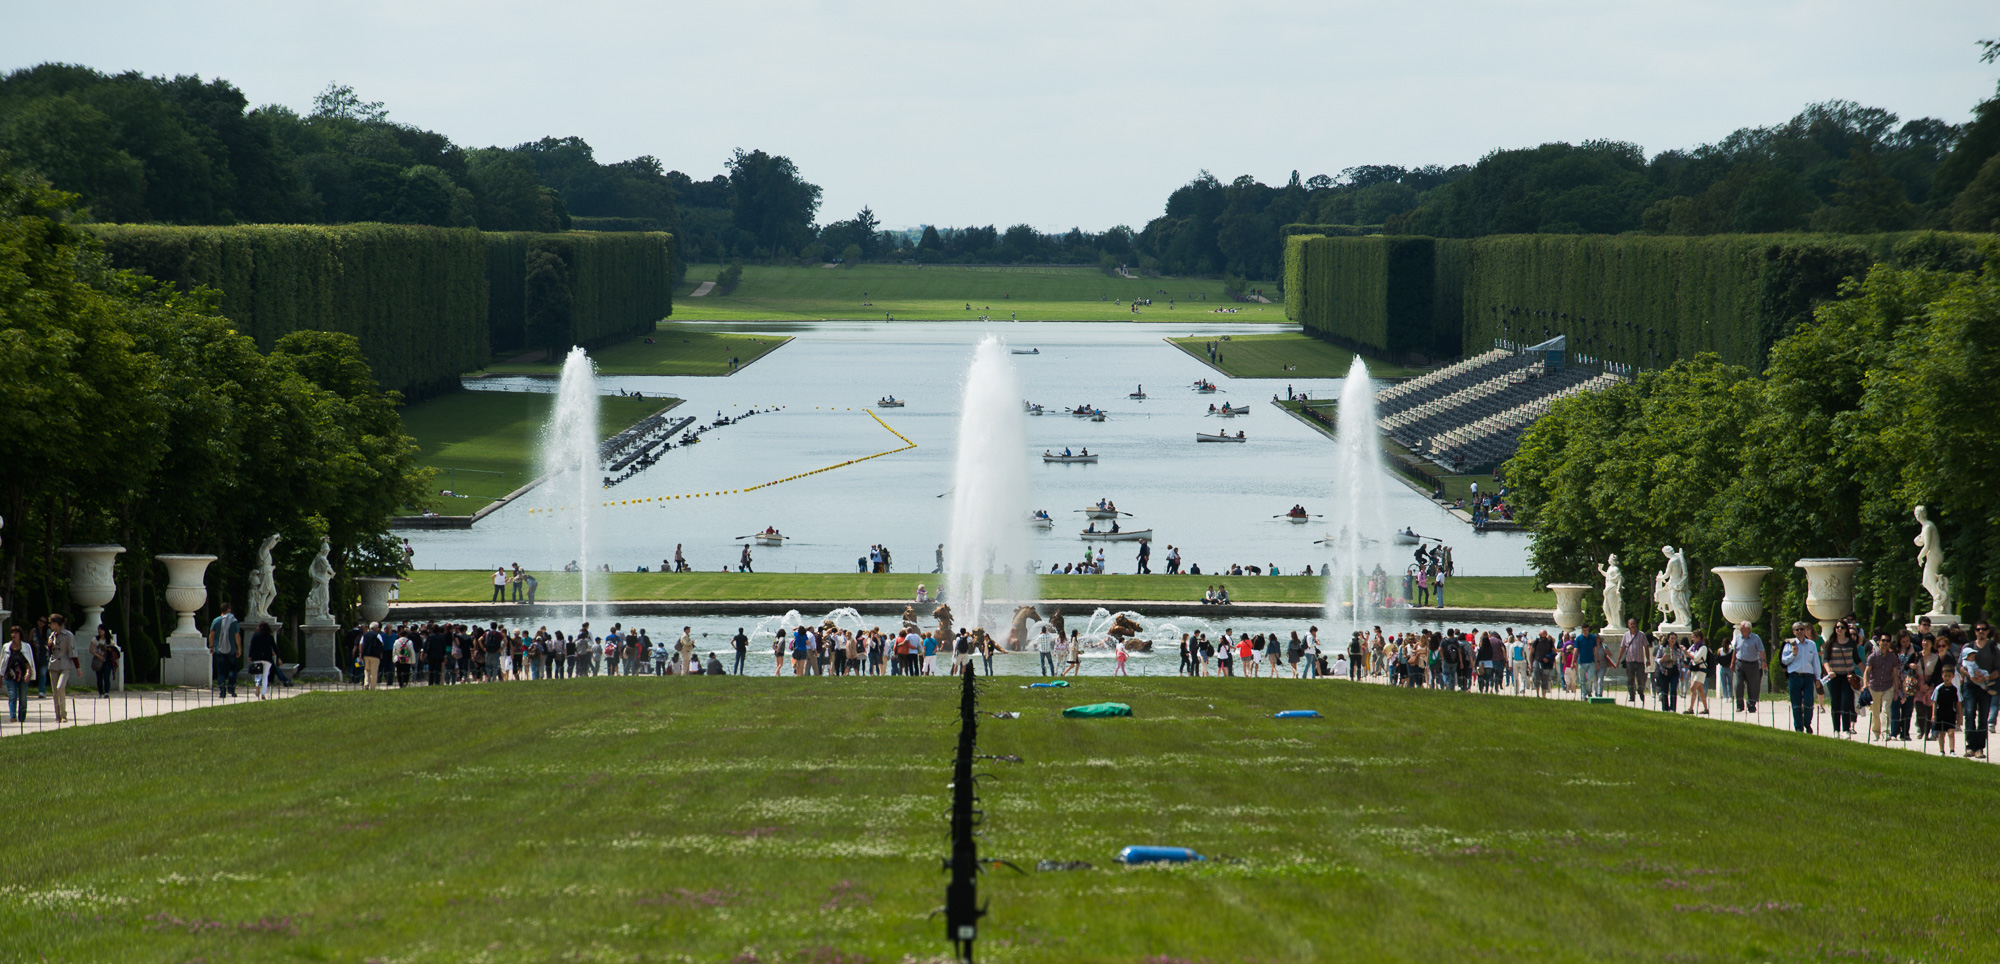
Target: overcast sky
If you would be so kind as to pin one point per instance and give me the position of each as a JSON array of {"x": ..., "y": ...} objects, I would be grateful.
[{"x": 1053, "y": 114}]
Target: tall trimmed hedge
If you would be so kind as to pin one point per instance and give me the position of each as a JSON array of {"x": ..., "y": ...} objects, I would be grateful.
[
  {"x": 415, "y": 296},
  {"x": 1646, "y": 301},
  {"x": 1634, "y": 300},
  {"x": 1378, "y": 294},
  {"x": 622, "y": 283},
  {"x": 427, "y": 304}
]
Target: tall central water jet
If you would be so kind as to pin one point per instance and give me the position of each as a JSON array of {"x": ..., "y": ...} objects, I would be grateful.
[
  {"x": 1361, "y": 540},
  {"x": 989, "y": 502},
  {"x": 571, "y": 471}
]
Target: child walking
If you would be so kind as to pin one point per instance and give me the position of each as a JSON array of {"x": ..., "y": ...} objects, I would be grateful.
[{"x": 1944, "y": 714}]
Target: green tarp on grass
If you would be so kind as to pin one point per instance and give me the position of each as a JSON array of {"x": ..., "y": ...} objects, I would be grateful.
[{"x": 1099, "y": 709}]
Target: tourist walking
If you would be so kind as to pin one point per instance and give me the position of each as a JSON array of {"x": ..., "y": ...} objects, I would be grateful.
[
  {"x": 1589, "y": 669},
  {"x": 1045, "y": 643},
  {"x": 263, "y": 658},
  {"x": 684, "y": 650},
  {"x": 104, "y": 657},
  {"x": 225, "y": 647},
  {"x": 1632, "y": 654},
  {"x": 1944, "y": 714},
  {"x": 17, "y": 670},
  {"x": 1981, "y": 660},
  {"x": 404, "y": 655},
  {"x": 372, "y": 647},
  {"x": 1667, "y": 656},
  {"x": 1700, "y": 672},
  {"x": 1746, "y": 651},
  {"x": 1842, "y": 658},
  {"x": 499, "y": 584},
  {"x": 1882, "y": 674},
  {"x": 1800, "y": 656}
]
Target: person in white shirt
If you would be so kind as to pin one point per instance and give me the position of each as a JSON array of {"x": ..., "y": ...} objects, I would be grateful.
[{"x": 1045, "y": 643}]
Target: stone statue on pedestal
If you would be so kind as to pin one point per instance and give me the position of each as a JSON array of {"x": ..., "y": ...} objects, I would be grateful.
[
  {"x": 1660, "y": 603},
  {"x": 1614, "y": 591},
  {"x": 1677, "y": 598},
  {"x": 1930, "y": 555},
  {"x": 319, "y": 607},
  {"x": 263, "y": 585},
  {"x": 943, "y": 614}
]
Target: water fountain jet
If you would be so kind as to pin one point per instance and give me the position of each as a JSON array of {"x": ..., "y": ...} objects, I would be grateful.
[
  {"x": 989, "y": 503},
  {"x": 1362, "y": 536},
  {"x": 571, "y": 470}
]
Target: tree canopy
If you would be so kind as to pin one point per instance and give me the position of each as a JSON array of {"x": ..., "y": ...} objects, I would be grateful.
[{"x": 134, "y": 413}]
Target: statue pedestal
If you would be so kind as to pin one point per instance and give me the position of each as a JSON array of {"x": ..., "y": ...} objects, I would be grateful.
[
  {"x": 319, "y": 656},
  {"x": 189, "y": 663},
  {"x": 1939, "y": 622},
  {"x": 1678, "y": 629}
]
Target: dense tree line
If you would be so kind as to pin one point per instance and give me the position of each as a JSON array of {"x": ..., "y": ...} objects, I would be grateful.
[
  {"x": 135, "y": 413},
  {"x": 1877, "y": 404},
  {"x": 1837, "y": 167}
]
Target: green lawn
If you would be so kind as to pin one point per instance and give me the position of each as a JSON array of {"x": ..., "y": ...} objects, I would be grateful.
[
  {"x": 764, "y": 820},
  {"x": 942, "y": 292},
  {"x": 676, "y": 350},
  {"x": 449, "y": 585},
  {"x": 1267, "y": 356},
  {"x": 484, "y": 444}
]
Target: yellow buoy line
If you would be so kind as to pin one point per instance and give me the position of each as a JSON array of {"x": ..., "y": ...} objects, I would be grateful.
[{"x": 661, "y": 499}]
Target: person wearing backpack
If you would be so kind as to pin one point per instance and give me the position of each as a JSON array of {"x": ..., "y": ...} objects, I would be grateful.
[
  {"x": 225, "y": 647},
  {"x": 404, "y": 655},
  {"x": 17, "y": 669}
]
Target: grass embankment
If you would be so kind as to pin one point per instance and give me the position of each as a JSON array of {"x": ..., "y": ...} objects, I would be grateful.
[
  {"x": 484, "y": 444},
  {"x": 869, "y": 292},
  {"x": 449, "y": 585},
  {"x": 1266, "y": 356},
  {"x": 676, "y": 350},
  {"x": 757, "y": 819}
]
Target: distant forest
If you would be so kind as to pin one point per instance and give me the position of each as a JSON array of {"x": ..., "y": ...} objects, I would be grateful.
[{"x": 184, "y": 150}]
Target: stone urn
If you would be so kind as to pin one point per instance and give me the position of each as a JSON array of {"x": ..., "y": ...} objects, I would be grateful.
[
  {"x": 188, "y": 663},
  {"x": 375, "y": 597},
  {"x": 1742, "y": 592},
  {"x": 1569, "y": 603},
  {"x": 1829, "y": 590},
  {"x": 91, "y": 584}
]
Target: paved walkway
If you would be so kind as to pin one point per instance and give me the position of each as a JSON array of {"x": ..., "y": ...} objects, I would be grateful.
[
  {"x": 86, "y": 707},
  {"x": 702, "y": 289}
]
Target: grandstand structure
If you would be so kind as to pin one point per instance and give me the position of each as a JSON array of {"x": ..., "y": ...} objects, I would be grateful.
[{"x": 1468, "y": 416}]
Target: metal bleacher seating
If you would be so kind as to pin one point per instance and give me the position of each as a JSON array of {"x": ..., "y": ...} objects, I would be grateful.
[{"x": 1471, "y": 414}]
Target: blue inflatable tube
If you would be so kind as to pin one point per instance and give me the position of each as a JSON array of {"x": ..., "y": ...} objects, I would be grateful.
[
  {"x": 1157, "y": 855},
  {"x": 1055, "y": 685},
  {"x": 1296, "y": 714}
]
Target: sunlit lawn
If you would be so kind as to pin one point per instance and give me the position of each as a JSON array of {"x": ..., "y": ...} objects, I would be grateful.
[
  {"x": 950, "y": 292},
  {"x": 1267, "y": 356},
  {"x": 764, "y": 820},
  {"x": 676, "y": 350}
]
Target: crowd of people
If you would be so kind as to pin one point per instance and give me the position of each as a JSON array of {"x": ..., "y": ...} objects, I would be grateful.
[{"x": 1925, "y": 685}]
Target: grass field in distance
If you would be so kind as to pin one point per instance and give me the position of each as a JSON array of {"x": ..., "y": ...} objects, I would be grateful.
[
  {"x": 485, "y": 444},
  {"x": 1266, "y": 355},
  {"x": 866, "y": 292},
  {"x": 754, "y": 819},
  {"x": 676, "y": 350}
]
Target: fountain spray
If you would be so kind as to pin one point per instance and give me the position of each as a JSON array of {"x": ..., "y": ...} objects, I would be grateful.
[{"x": 989, "y": 504}]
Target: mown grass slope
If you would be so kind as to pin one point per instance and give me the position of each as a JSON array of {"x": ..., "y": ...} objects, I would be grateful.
[
  {"x": 486, "y": 444},
  {"x": 909, "y": 292},
  {"x": 756, "y": 819}
]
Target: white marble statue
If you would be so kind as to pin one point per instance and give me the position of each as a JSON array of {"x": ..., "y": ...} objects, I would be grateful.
[
  {"x": 263, "y": 585},
  {"x": 1660, "y": 600},
  {"x": 1679, "y": 601},
  {"x": 319, "y": 609},
  {"x": 1614, "y": 591},
  {"x": 1930, "y": 555}
]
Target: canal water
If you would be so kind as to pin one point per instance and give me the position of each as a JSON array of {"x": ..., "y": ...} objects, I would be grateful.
[{"x": 1214, "y": 501}]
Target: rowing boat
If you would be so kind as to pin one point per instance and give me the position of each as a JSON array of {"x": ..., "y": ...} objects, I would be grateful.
[
  {"x": 1129, "y": 535},
  {"x": 769, "y": 538},
  {"x": 888, "y": 403},
  {"x": 1203, "y": 437},
  {"x": 1096, "y": 513},
  {"x": 1027, "y": 351},
  {"x": 1069, "y": 459},
  {"x": 1041, "y": 522}
]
